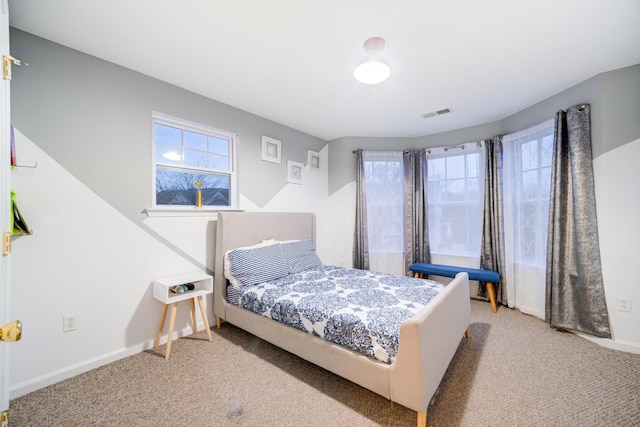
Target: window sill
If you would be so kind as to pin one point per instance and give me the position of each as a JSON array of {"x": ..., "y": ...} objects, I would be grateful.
[
  {"x": 185, "y": 211},
  {"x": 451, "y": 253}
]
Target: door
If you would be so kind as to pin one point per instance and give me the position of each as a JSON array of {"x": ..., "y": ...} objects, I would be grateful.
[{"x": 5, "y": 208}]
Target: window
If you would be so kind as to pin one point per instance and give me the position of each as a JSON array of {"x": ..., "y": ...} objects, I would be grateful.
[
  {"x": 528, "y": 156},
  {"x": 384, "y": 183},
  {"x": 455, "y": 197},
  {"x": 186, "y": 154},
  {"x": 527, "y": 161}
]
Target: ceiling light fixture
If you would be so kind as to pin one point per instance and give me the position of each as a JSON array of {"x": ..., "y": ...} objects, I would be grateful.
[{"x": 373, "y": 68}]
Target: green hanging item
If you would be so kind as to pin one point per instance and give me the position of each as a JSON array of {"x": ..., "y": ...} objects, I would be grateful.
[{"x": 19, "y": 226}]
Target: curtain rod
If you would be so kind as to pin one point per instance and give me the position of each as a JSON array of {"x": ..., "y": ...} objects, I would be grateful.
[{"x": 428, "y": 150}]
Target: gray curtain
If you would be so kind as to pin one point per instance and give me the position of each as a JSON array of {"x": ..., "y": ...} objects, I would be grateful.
[
  {"x": 575, "y": 290},
  {"x": 416, "y": 232},
  {"x": 492, "y": 254},
  {"x": 360, "y": 238}
]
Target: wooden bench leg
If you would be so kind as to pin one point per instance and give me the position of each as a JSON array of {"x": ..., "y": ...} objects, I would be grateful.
[
  {"x": 492, "y": 296},
  {"x": 422, "y": 419}
]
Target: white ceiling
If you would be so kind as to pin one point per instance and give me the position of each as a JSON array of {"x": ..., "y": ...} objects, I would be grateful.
[{"x": 292, "y": 61}]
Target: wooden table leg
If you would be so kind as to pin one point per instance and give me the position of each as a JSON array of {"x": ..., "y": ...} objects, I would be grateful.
[
  {"x": 159, "y": 334},
  {"x": 204, "y": 317},
  {"x": 194, "y": 319},
  {"x": 172, "y": 322}
]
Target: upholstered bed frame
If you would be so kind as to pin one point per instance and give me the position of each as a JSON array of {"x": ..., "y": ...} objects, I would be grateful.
[{"x": 428, "y": 341}]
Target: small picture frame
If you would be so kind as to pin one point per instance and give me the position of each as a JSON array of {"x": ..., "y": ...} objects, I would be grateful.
[
  {"x": 294, "y": 172},
  {"x": 313, "y": 160},
  {"x": 271, "y": 150}
]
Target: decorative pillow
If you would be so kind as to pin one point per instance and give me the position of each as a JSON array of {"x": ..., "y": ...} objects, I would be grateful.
[
  {"x": 227, "y": 261},
  {"x": 300, "y": 255},
  {"x": 257, "y": 265}
]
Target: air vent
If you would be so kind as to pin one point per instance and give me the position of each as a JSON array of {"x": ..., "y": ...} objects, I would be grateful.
[{"x": 436, "y": 113}]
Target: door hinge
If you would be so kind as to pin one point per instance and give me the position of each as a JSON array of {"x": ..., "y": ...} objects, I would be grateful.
[
  {"x": 6, "y": 243},
  {"x": 4, "y": 419},
  {"x": 7, "y": 61}
]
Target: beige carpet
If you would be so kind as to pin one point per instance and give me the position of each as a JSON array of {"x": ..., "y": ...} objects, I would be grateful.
[{"x": 514, "y": 371}]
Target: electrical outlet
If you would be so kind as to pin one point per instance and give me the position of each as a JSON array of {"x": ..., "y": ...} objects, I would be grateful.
[
  {"x": 69, "y": 323},
  {"x": 624, "y": 304}
]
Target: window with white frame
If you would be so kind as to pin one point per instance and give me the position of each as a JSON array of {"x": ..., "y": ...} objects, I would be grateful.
[
  {"x": 527, "y": 163},
  {"x": 188, "y": 155},
  {"x": 528, "y": 156},
  {"x": 455, "y": 197},
  {"x": 384, "y": 184}
]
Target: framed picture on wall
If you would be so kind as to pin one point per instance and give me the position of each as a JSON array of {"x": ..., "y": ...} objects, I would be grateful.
[
  {"x": 294, "y": 172},
  {"x": 271, "y": 149},
  {"x": 313, "y": 160}
]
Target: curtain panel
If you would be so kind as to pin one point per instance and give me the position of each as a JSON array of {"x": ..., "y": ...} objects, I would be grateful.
[
  {"x": 574, "y": 286},
  {"x": 492, "y": 252},
  {"x": 360, "y": 237},
  {"x": 416, "y": 235}
]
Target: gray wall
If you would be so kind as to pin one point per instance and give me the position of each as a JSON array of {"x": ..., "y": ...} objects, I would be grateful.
[
  {"x": 615, "y": 108},
  {"x": 615, "y": 120},
  {"x": 620, "y": 117},
  {"x": 94, "y": 118},
  {"x": 342, "y": 161}
]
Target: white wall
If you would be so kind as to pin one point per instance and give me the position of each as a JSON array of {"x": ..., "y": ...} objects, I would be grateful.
[
  {"x": 341, "y": 218},
  {"x": 84, "y": 258},
  {"x": 88, "y": 259},
  {"x": 616, "y": 176}
]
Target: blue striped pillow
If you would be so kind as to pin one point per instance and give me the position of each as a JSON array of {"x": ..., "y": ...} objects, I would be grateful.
[
  {"x": 300, "y": 255},
  {"x": 258, "y": 265}
]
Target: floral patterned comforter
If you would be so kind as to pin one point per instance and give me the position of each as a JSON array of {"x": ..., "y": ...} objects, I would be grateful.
[{"x": 357, "y": 309}]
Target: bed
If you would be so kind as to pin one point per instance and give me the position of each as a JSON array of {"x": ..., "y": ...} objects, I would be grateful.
[{"x": 427, "y": 341}]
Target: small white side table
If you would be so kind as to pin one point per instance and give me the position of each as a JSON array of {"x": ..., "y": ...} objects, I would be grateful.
[{"x": 203, "y": 284}]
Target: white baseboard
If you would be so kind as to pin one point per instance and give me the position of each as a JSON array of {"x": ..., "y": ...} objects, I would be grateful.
[
  {"x": 17, "y": 390},
  {"x": 614, "y": 345}
]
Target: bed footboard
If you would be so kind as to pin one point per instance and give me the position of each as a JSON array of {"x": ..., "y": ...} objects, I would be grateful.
[{"x": 428, "y": 342}]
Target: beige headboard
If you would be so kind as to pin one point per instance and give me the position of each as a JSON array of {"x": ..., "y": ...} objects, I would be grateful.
[{"x": 237, "y": 229}]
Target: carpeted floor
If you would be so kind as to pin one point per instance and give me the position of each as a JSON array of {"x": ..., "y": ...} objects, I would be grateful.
[{"x": 514, "y": 371}]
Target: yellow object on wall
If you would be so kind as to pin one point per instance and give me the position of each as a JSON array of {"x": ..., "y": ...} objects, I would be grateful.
[{"x": 19, "y": 226}]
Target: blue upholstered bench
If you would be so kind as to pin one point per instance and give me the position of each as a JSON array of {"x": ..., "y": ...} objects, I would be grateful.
[{"x": 488, "y": 276}]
